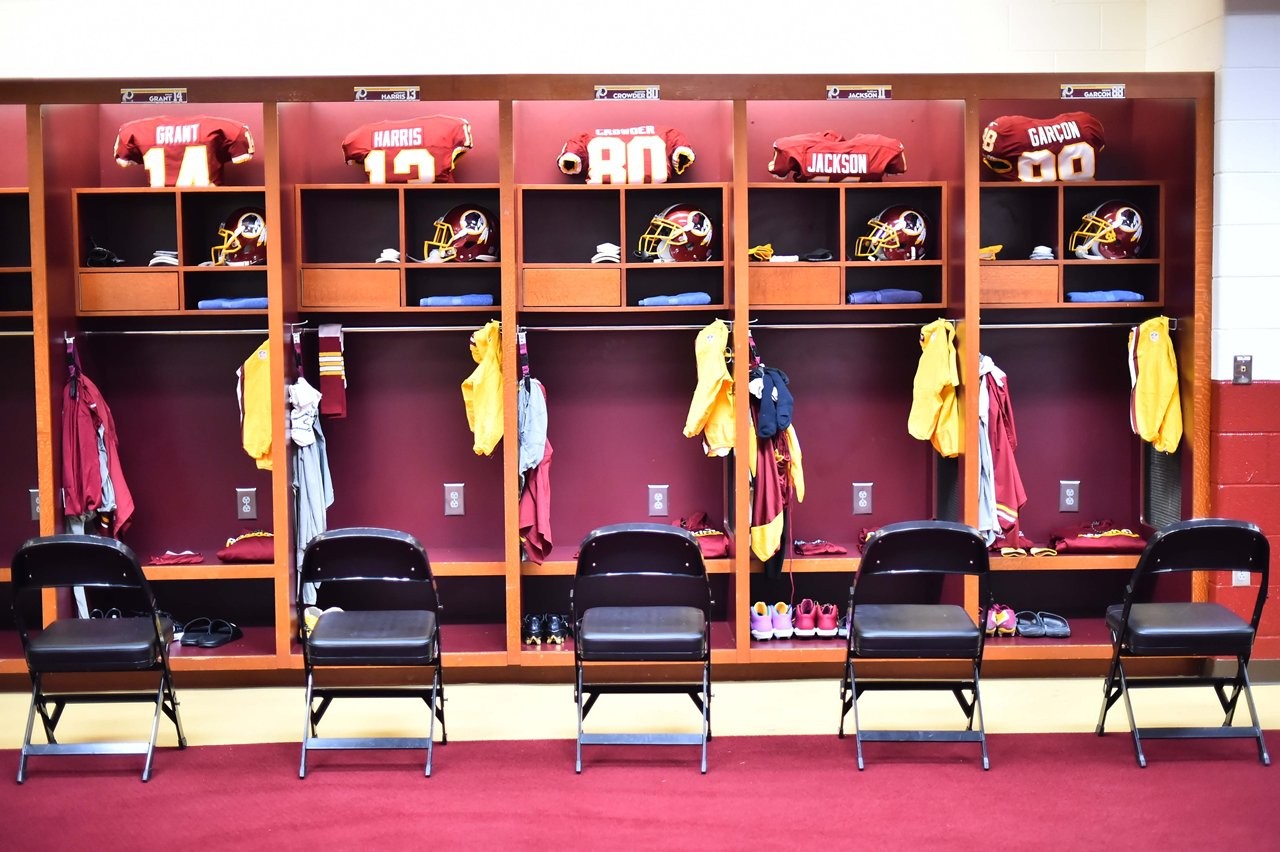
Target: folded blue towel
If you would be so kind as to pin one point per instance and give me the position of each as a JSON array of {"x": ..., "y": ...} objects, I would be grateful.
[
  {"x": 887, "y": 296},
  {"x": 677, "y": 299},
  {"x": 1105, "y": 296},
  {"x": 241, "y": 304},
  {"x": 454, "y": 301}
]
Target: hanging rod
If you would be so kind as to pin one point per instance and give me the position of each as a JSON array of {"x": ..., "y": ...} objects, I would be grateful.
[
  {"x": 391, "y": 329},
  {"x": 617, "y": 327},
  {"x": 15, "y": 333},
  {"x": 1035, "y": 326},
  {"x": 843, "y": 326},
  {"x": 169, "y": 331}
]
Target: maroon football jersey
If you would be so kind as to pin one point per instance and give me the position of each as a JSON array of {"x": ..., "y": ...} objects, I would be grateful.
[
  {"x": 643, "y": 154},
  {"x": 415, "y": 150},
  {"x": 828, "y": 156},
  {"x": 183, "y": 150},
  {"x": 1040, "y": 150}
]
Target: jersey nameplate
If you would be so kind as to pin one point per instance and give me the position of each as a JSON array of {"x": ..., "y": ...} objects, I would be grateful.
[
  {"x": 628, "y": 93},
  {"x": 859, "y": 93},
  {"x": 1079, "y": 91},
  {"x": 154, "y": 96},
  {"x": 386, "y": 93}
]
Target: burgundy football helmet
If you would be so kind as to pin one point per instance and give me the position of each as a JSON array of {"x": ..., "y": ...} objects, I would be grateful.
[
  {"x": 244, "y": 238},
  {"x": 467, "y": 232},
  {"x": 1111, "y": 231},
  {"x": 682, "y": 233},
  {"x": 897, "y": 233}
]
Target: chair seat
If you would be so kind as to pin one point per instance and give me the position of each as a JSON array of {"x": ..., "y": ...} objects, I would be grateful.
[
  {"x": 620, "y": 633},
  {"x": 95, "y": 644},
  {"x": 1172, "y": 629},
  {"x": 374, "y": 637},
  {"x": 914, "y": 630}
]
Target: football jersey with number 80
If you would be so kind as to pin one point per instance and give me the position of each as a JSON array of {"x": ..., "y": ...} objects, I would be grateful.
[{"x": 642, "y": 154}]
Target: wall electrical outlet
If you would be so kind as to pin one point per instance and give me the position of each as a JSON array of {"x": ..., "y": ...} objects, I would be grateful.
[
  {"x": 455, "y": 498},
  {"x": 246, "y": 504},
  {"x": 1242, "y": 370},
  {"x": 658, "y": 507},
  {"x": 862, "y": 492},
  {"x": 1240, "y": 578},
  {"x": 1069, "y": 495},
  {"x": 34, "y": 495}
]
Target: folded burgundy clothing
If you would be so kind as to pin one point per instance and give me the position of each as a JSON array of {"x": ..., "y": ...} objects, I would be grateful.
[
  {"x": 171, "y": 557},
  {"x": 1099, "y": 537},
  {"x": 810, "y": 548}
]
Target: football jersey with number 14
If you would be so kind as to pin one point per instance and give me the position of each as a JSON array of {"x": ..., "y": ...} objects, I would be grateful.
[{"x": 183, "y": 150}]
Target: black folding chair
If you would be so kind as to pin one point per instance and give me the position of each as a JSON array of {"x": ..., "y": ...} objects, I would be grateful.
[
  {"x": 138, "y": 641},
  {"x": 1141, "y": 627},
  {"x": 895, "y": 612},
  {"x": 381, "y": 611},
  {"x": 641, "y": 595}
]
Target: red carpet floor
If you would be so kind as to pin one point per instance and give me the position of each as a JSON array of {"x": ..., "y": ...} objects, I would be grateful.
[{"x": 801, "y": 794}]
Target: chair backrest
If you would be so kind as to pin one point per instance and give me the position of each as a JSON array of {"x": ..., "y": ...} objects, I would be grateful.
[
  {"x": 902, "y": 560},
  {"x": 90, "y": 561},
  {"x": 1207, "y": 544},
  {"x": 640, "y": 564},
  {"x": 369, "y": 555},
  {"x": 932, "y": 547},
  {"x": 60, "y": 561}
]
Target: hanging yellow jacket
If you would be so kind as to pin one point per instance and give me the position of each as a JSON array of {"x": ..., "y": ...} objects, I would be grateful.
[
  {"x": 253, "y": 393},
  {"x": 482, "y": 390},
  {"x": 711, "y": 410},
  {"x": 935, "y": 410},
  {"x": 1155, "y": 409}
]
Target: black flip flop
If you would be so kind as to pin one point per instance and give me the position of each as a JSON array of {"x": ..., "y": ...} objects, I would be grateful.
[
  {"x": 220, "y": 633},
  {"x": 195, "y": 630},
  {"x": 1055, "y": 626},
  {"x": 1030, "y": 624}
]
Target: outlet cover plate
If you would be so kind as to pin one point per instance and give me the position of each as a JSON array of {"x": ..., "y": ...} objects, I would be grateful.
[
  {"x": 862, "y": 498},
  {"x": 1242, "y": 370},
  {"x": 455, "y": 494},
  {"x": 658, "y": 506},
  {"x": 246, "y": 504},
  {"x": 1240, "y": 578},
  {"x": 1069, "y": 495},
  {"x": 34, "y": 495}
]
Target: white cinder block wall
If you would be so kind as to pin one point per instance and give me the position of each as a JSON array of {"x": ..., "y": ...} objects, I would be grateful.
[{"x": 1238, "y": 38}]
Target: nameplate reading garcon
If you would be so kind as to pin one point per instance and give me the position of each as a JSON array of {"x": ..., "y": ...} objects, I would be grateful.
[
  {"x": 386, "y": 93},
  {"x": 1082, "y": 91},
  {"x": 860, "y": 93},
  {"x": 154, "y": 96},
  {"x": 628, "y": 93}
]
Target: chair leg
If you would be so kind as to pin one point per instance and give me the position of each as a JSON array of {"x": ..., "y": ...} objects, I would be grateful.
[
  {"x": 976, "y": 709},
  {"x": 437, "y": 689},
  {"x": 845, "y": 705},
  {"x": 857, "y": 726},
  {"x": 308, "y": 727},
  {"x": 26, "y": 738},
  {"x": 706, "y": 713},
  {"x": 1108, "y": 695},
  {"x": 1253, "y": 714},
  {"x": 1133, "y": 724},
  {"x": 577, "y": 691}
]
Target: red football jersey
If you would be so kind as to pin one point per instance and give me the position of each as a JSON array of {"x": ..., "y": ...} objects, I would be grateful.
[
  {"x": 183, "y": 150},
  {"x": 643, "y": 154},
  {"x": 415, "y": 150},
  {"x": 1040, "y": 150},
  {"x": 828, "y": 156}
]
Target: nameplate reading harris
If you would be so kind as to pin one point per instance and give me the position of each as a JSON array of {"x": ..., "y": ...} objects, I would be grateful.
[
  {"x": 154, "y": 96},
  {"x": 386, "y": 93}
]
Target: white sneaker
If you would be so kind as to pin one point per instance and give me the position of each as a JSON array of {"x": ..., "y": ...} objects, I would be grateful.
[{"x": 781, "y": 617}]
